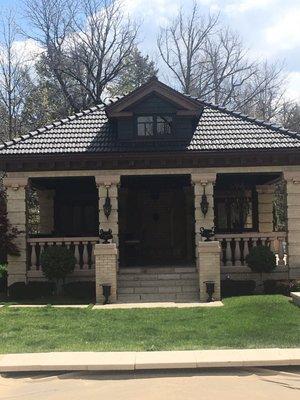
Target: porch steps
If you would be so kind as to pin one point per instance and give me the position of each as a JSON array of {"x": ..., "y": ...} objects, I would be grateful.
[{"x": 150, "y": 284}]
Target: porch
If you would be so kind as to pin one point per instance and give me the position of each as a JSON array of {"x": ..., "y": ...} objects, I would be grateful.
[{"x": 155, "y": 219}]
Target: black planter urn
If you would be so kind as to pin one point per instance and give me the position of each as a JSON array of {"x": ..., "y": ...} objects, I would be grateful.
[
  {"x": 210, "y": 289},
  {"x": 106, "y": 290}
]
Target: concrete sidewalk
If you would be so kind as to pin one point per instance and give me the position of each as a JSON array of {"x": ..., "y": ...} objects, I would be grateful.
[{"x": 156, "y": 360}]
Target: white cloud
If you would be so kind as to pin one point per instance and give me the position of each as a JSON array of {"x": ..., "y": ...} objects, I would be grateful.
[
  {"x": 293, "y": 89},
  {"x": 27, "y": 50},
  {"x": 158, "y": 12},
  {"x": 284, "y": 33},
  {"x": 241, "y": 6}
]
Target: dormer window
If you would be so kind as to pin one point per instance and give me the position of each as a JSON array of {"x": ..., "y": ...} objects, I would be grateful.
[{"x": 154, "y": 125}]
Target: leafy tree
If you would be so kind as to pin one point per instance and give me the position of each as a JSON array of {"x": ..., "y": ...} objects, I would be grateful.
[
  {"x": 138, "y": 69},
  {"x": 7, "y": 232}
]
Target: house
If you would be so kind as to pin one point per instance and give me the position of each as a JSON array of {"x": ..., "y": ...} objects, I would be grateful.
[{"x": 154, "y": 166}]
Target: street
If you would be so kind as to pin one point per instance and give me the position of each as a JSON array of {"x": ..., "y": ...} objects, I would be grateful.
[{"x": 248, "y": 383}]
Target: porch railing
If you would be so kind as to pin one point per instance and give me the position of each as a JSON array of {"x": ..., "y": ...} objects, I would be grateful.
[
  {"x": 235, "y": 247},
  {"x": 82, "y": 248}
]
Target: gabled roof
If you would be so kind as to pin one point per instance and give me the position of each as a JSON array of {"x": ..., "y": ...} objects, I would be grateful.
[
  {"x": 88, "y": 132},
  {"x": 186, "y": 105}
]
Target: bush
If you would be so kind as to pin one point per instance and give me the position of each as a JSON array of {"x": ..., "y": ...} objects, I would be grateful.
[
  {"x": 80, "y": 290},
  {"x": 57, "y": 262},
  {"x": 31, "y": 290},
  {"x": 3, "y": 277},
  {"x": 261, "y": 259},
  {"x": 283, "y": 286},
  {"x": 230, "y": 287}
]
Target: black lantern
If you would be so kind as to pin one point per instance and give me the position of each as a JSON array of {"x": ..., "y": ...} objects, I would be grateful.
[
  {"x": 105, "y": 236},
  {"x": 210, "y": 288},
  {"x": 107, "y": 205},
  {"x": 204, "y": 202},
  {"x": 207, "y": 233},
  {"x": 106, "y": 288}
]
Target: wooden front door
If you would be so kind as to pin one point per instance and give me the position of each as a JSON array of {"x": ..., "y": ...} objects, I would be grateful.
[{"x": 154, "y": 227}]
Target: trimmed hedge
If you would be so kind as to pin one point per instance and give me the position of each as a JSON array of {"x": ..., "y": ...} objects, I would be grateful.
[
  {"x": 31, "y": 290},
  {"x": 80, "y": 289},
  {"x": 261, "y": 259},
  {"x": 230, "y": 287},
  {"x": 283, "y": 286}
]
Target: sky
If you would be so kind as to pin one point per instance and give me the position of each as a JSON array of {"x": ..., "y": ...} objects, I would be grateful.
[{"x": 270, "y": 28}]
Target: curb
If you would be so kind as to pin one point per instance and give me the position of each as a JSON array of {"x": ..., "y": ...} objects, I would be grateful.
[{"x": 157, "y": 360}]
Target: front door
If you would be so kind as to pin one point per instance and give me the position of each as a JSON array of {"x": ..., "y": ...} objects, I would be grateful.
[{"x": 155, "y": 221}]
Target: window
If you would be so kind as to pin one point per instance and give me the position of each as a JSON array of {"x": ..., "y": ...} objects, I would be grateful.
[
  {"x": 233, "y": 215},
  {"x": 145, "y": 126},
  {"x": 154, "y": 125}
]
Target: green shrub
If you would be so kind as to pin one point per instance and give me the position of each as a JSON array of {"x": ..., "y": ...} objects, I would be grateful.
[
  {"x": 57, "y": 262},
  {"x": 80, "y": 290},
  {"x": 261, "y": 259},
  {"x": 283, "y": 286},
  {"x": 230, "y": 287},
  {"x": 3, "y": 277}
]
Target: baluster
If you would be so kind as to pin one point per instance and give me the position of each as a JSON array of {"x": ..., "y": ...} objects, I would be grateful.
[
  {"x": 254, "y": 242},
  {"x": 33, "y": 256},
  {"x": 93, "y": 255},
  {"x": 228, "y": 252},
  {"x": 85, "y": 255},
  {"x": 237, "y": 252},
  {"x": 77, "y": 255},
  {"x": 41, "y": 249},
  {"x": 246, "y": 249},
  {"x": 263, "y": 241},
  {"x": 281, "y": 260}
]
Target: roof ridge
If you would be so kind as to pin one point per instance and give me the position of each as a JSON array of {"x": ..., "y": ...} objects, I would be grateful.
[
  {"x": 59, "y": 122},
  {"x": 270, "y": 125}
]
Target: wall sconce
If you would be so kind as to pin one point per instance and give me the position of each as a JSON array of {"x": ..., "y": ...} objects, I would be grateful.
[
  {"x": 107, "y": 205},
  {"x": 204, "y": 202}
]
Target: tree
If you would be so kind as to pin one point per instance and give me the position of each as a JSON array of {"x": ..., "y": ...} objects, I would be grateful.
[
  {"x": 181, "y": 45},
  {"x": 86, "y": 44},
  {"x": 290, "y": 115},
  {"x": 14, "y": 79},
  {"x": 7, "y": 232},
  {"x": 212, "y": 63},
  {"x": 138, "y": 69}
]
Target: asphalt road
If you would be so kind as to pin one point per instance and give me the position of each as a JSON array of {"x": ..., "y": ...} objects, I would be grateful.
[{"x": 249, "y": 383}]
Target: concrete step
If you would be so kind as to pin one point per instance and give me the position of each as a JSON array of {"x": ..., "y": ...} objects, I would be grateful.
[{"x": 161, "y": 297}]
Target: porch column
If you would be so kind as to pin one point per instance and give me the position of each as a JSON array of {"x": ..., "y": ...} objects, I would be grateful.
[
  {"x": 16, "y": 212},
  {"x": 46, "y": 205},
  {"x": 293, "y": 222},
  {"x": 106, "y": 270},
  {"x": 108, "y": 187},
  {"x": 265, "y": 207},
  {"x": 209, "y": 268},
  {"x": 203, "y": 183}
]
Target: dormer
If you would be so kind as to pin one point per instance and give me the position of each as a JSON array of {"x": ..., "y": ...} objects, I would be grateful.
[{"x": 154, "y": 112}]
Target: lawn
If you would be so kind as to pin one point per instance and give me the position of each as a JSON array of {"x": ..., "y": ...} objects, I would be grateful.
[{"x": 243, "y": 322}]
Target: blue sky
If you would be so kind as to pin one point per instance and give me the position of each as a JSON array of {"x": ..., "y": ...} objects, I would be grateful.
[{"x": 270, "y": 28}]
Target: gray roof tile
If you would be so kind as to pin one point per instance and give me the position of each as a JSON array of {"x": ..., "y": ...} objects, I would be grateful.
[{"x": 88, "y": 132}]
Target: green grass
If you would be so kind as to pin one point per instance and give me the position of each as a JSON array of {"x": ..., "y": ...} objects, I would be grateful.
[{"x": 243, "y": 322}]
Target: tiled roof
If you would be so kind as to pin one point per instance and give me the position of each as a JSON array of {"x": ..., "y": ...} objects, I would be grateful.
[{"x": 88, "y": 132}]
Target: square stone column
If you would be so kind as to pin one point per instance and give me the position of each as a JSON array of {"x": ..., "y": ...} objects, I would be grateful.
[
  {"x": 203, "y": 183},
  {"x": 16, "y": 212},
  {"x": 209, "y": 268},
  {"x": 265, "y": 207},
  {"x": 293, "y": 222},
  {"x": 108, "y": 186},
  {"x": 106, "y": 270},
  {"x": 46, "y": 203}
]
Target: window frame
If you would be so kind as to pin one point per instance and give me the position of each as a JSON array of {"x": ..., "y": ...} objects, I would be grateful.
[{"x": 155, "y": 135}]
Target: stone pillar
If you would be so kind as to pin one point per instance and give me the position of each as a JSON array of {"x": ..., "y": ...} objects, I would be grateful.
[
  {"x": 265, "y": 207},
  {"x": 209, "y": 268},
  {"x": 293, "y": 222},
  {"x": 46, "y": 203},
  {"x": 16, "y": 212},
  {"x": 203, "y": 182},
  {"x": 106, "y": 270},
  {"x": 108, "y": 185}
]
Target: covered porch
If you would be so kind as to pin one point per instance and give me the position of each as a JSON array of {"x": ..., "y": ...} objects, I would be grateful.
[{"x": 150, "y": 212}]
